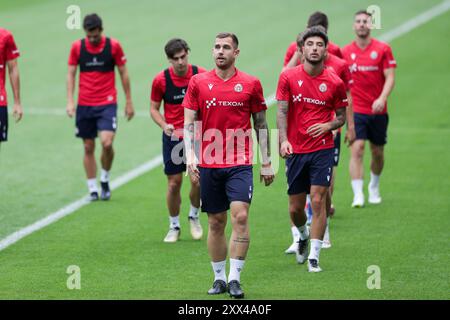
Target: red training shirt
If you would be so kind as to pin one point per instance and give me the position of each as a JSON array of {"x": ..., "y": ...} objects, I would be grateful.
[
  {"x": 173, "y": 113},
  {"x": 367, "y": 67},
  {"x": 97, "y": 88},
  {"x": 311, "y": 100},
  {"x": 224, "y": 109},
  {"x": 8, "y": 51}
]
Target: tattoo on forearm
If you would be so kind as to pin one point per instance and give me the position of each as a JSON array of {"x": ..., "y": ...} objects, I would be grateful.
[
  {"x": 262, "y": 134},
  {"x": 282, "y": 120},
  {"x": 340, "y": 119}
]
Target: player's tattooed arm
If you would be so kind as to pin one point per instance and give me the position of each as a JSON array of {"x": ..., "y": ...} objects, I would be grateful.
[
  {"x": 282, "y": 120},
  {"x": 262, "y": 134},
  {"x": 282, "y": 114},
  {"x": 339, "y": 121}
]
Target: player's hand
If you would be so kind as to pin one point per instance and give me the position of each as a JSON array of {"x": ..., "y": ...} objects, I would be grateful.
[
  {"x": 267, "y": 174},
  {"x": 70, "y": 109},
  {"x": 192, "y": 169},
  {"x": 334, "y": 132},
  {"x": 285, "y": 149},
  {"x": 378, "y": 105},
  {"x": 17, "y": 112},
  {"x": 318, "y": 129},
  {"x": 129, "y": 110},
  {"x": 168, "y": 129},
  {"x": 350, "y": 136}
]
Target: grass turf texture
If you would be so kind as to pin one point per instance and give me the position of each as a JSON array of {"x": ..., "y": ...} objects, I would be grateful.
[{"x": 118, "y": 245}]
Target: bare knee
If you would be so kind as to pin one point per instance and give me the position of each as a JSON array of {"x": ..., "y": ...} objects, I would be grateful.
[
  {"x": 89, "y": 147},
  {"x": 174, "y": 185},
  {"x": 358, "y": 149},
  {"x": 377, "y": 153},
  {"x": 216, "y": 226}
]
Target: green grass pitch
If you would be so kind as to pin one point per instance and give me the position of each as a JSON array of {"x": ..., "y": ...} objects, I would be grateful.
[{"x": 118, "y": 245}]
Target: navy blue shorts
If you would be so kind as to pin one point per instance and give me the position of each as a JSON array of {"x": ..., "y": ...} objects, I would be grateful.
[
  {"x": 372, "y": 127},
  {"x": 90, "y": 120},
  {"x": 173, "y": 155},
  {"x": 221, "y": 186},
  {"x": 337, "y": 149},
  {"x": 3, "y": 124},
  {"x": 309, "y": 169}
]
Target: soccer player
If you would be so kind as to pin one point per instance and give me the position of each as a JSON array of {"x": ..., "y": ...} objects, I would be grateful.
[
  {"x": 306, "y": 96},
  {"x": 170, "y": 85},
  {"x": 340, "y": 67},
  {"x": 97, "y": 57},
  {"x": 372, "y": 65},
  {"x": 292, "y": 57},
  {"x": 8, "y": 59},
  {"x": 223, "y": 100}
]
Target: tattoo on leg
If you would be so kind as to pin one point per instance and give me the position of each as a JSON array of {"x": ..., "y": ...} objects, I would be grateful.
[{"x": 241, "y": 240}]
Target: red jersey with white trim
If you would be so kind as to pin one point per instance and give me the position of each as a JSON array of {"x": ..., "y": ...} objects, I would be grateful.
[
  {"x": 97, "y": 88},
  {"x": 367, "y": 67},
  {"x": 332, "y": 48},
  {"x": 173, "y": 113},
  {"x": 224, "y": 109},
  {"x": 8, "y": 51},
  {"x": 311, "y": 100}
]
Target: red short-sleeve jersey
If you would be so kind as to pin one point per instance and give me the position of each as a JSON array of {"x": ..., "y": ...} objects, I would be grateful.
[
  {"x": 310, "y": 100},
  {"x": 8, "y": 51},
  {"x": 367, "y": 68},
  {"x": 97, "y": 88},
  {"x": 224, "y": 109}
]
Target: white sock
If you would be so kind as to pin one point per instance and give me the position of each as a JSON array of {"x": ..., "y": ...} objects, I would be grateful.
[
  {"x": 374, "y": 180},
  {"x": 104, "y": 176},
  {"x": 304, "y": 232},
  {"x": 92, "y": 185},
  {"x": 174, "y": 222},
  {"x": 314, "y": 253},
  {"x": 295, "y": 233},
  {"x": 193, "y": 212},
  {"x": 236, "y": 267},
  {"x": 357, "y": 186},
  {"x": 219, "y": 270},
  {"x": 326, "y": 236}
]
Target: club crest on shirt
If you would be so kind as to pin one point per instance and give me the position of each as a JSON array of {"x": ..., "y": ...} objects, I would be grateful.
[
  {"x": 238, "y": 87},
  {"x": 374, "y": 55},
  {"x": 353, "y": 56},
  {"x": 323, "y": 87}
]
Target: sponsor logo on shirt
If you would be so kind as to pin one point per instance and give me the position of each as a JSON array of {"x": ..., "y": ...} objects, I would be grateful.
[
  {"x": 180, "y": 96},
  {"x": 298, "y": 98},
  {"x": 214, "y": 103},
  {"x": 354, "y": 67},
  {"x": 1, "y": 66}
]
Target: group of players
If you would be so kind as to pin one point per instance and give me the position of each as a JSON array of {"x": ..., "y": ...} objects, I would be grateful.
[{"x": 319, "y": 88}]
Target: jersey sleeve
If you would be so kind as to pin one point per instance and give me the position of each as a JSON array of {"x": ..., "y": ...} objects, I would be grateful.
[
  {"x": 157, "y": 89},
  {"x": 11, "y": 49},
  {"x": 119, "y": 56},
  {"x": 346, "y": 76},
  {"x": 388, "y": 59},
  {"x": 258, "y": 103},
  {"x": 190, "y": 100},
  {"x": 283, "y": 90},
  {"x": 74, "y": 55},
  {"x": 340, "y": 98},
  {"x": 288, "y": 56}
]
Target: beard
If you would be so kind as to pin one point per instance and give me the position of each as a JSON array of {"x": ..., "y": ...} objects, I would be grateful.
[
  {"x": 224, "y": 65},
  {"x": 315, "y": 62}
]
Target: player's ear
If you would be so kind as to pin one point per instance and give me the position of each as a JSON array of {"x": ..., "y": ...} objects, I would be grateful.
[{"x": 237, "y": 51}]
